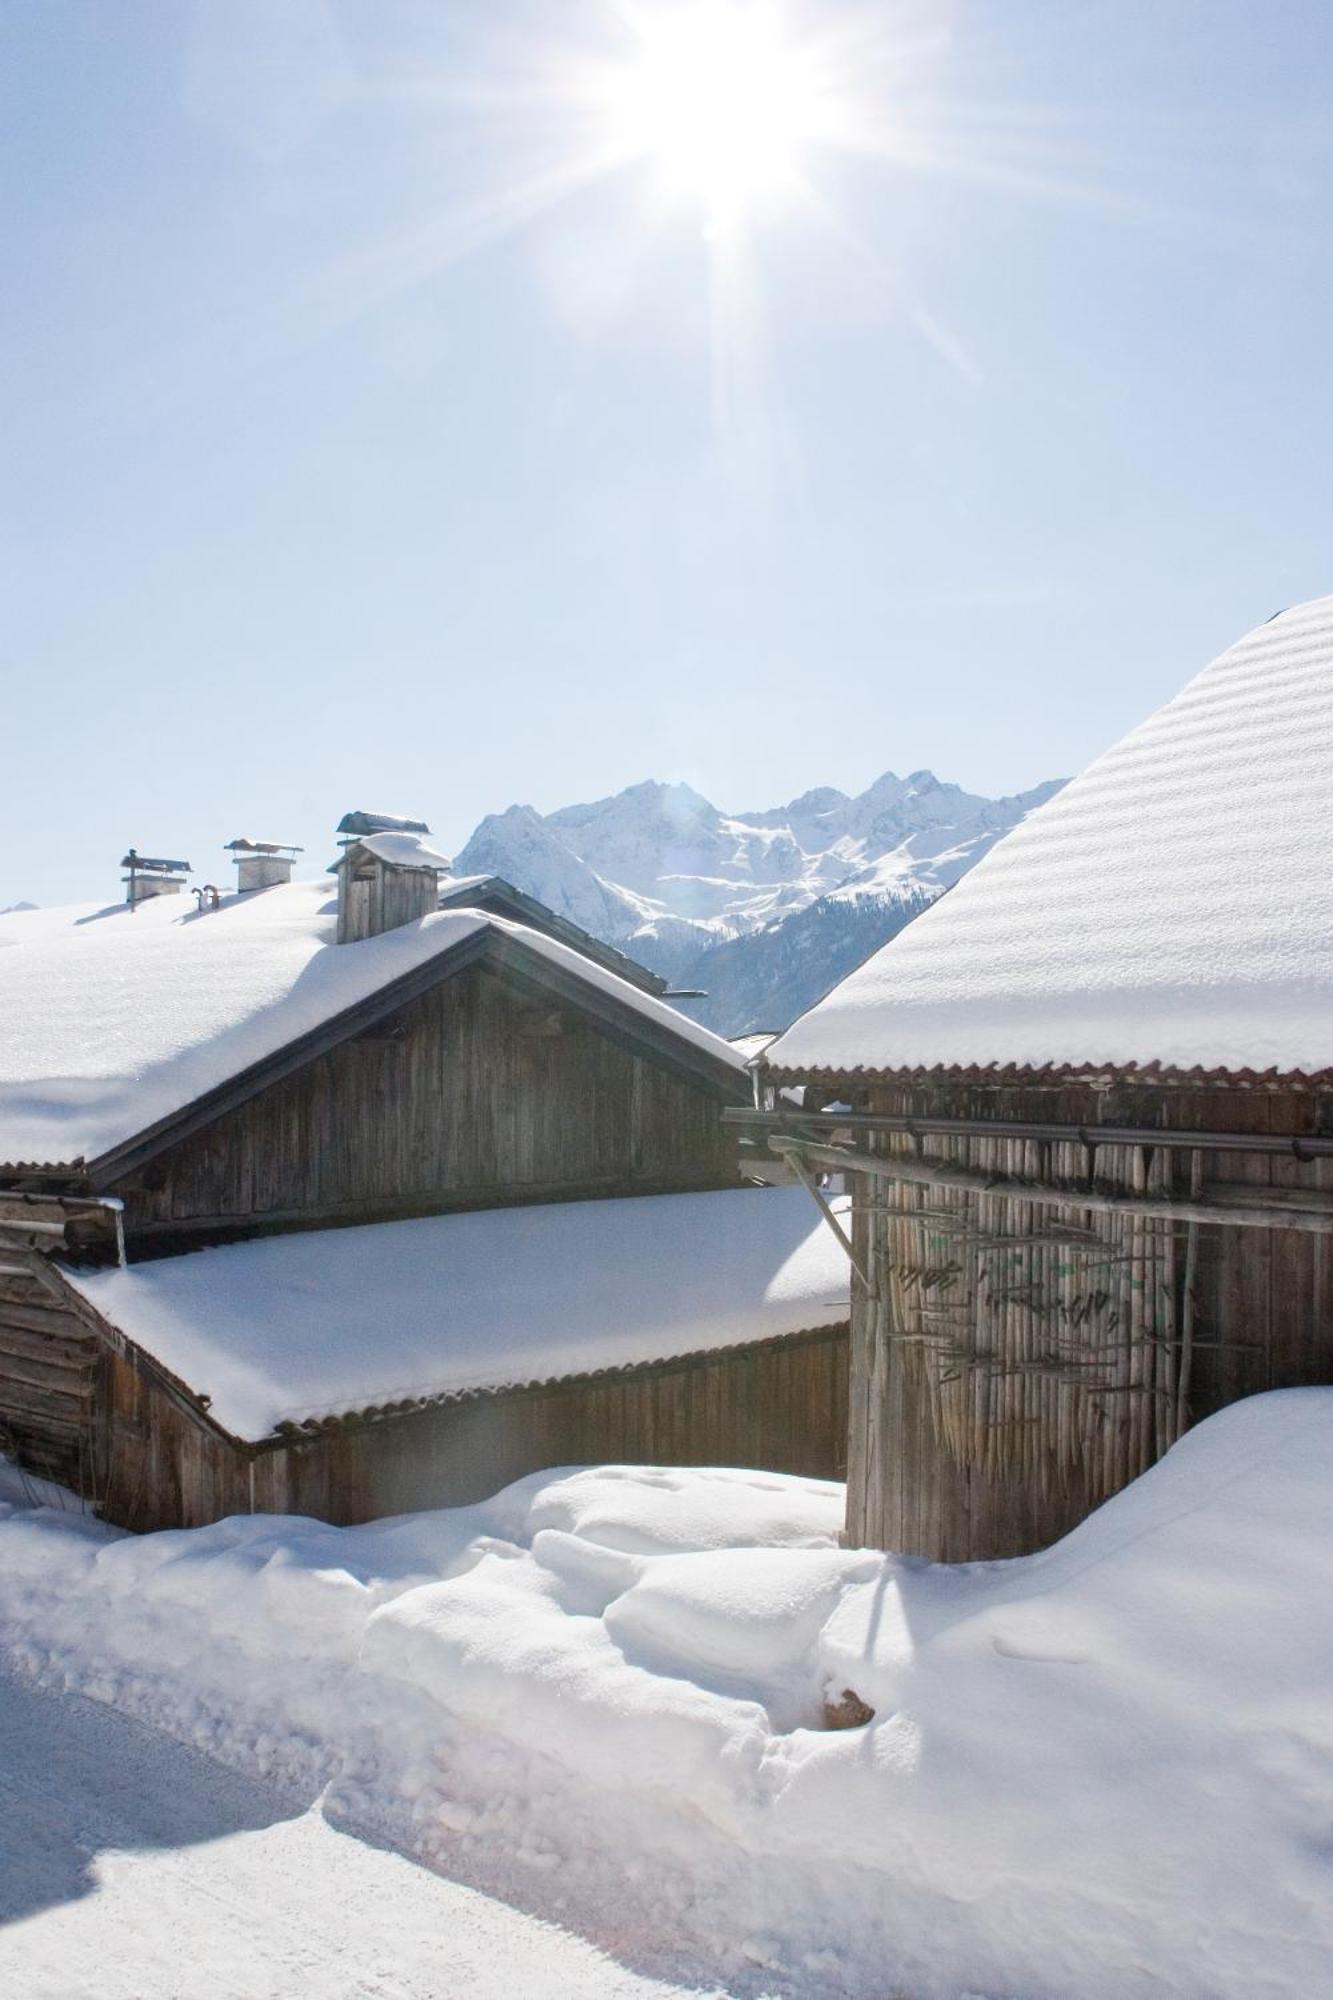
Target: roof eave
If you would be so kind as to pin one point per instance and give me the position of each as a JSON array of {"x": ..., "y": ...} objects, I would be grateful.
[
  {"x": 1007, "y": 1074},
  {"x": 194, "y": 1404},
  {"x": 65, "y": 1170}
]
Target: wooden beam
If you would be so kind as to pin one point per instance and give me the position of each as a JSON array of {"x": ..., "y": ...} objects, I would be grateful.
[
  {"x": 1232, "y": 1213},
  {"x": 812, "y": 1187},
  {"x": 791, "y": 1123}
]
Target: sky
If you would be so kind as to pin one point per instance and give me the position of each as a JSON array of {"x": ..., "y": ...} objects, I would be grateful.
[{"x": 400, "y": 411}]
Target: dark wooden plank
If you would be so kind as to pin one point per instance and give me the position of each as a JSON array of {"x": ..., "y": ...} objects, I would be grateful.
[
  {"x": 77, "y": 1353},
  {"x": 34, "y": 1373},
  {"x": 44, "y": 1323}
]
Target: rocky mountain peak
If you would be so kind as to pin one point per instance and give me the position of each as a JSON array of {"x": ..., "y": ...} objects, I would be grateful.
[{"x": 660, "y": 871}]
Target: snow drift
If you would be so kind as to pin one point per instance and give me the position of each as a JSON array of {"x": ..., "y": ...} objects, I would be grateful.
[{"x": 1106, "y": 1770}]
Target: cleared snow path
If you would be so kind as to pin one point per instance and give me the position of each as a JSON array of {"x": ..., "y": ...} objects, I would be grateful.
[{"x": 132, "y": 1868}]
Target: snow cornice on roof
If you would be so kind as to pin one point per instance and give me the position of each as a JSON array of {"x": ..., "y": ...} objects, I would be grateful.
[{"x": 397, "y": 850}]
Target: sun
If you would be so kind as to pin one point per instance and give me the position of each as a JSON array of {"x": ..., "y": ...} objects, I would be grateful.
[{"x": 719, "y": 100}]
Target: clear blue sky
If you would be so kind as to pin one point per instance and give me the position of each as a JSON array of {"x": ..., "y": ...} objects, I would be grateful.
[{"x": 340, "y": 468}]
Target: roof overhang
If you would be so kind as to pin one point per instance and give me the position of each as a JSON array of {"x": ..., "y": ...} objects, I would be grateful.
[{"x": 844, "y": 1080}]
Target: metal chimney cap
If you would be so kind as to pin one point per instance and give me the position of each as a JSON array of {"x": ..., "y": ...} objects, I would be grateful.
[
  {"x": 145, "y": 863},
  {"x": 355, "y": 823}
]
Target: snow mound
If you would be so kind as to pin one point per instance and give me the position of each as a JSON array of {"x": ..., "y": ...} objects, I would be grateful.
[{"x": 1105, "y": 1770}]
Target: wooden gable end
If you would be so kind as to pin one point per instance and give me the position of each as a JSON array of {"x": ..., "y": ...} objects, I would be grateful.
[{"x": 474, "y": 1092}]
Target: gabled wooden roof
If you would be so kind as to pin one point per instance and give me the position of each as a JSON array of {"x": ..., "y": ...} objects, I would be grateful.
[
  {"x": 129, "y": 1032},
  {"x": 503, "y": 952}
]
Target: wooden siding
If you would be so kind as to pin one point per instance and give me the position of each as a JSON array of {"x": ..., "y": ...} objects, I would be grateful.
[
  {"x": 373, "y": 896},
  {"x": 472, "y": 1093},
  {"x": 779, "y": 1405},
  {"x": 49, "y": 1364},
  {"x": 50, "y": 1358},
  {"x": 1005, "y": 1380}
]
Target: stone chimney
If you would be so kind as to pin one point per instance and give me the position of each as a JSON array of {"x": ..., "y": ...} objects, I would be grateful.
[
  {"x": 261, "y": 864},
  {"x": 387, "y": 874},
  {"x": 146, "y": 877}
]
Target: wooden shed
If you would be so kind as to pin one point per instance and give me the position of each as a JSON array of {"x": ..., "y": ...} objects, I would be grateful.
[
  {"x": 175, "y": 1081},
  {"x": 1085, "y": 1108}
]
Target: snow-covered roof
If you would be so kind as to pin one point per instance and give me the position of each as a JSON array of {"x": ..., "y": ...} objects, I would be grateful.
[
  {"x": 1172, "y": 906},
  {"x": 115, "y": 1021},
  {"x": 331, "y": 1321}
]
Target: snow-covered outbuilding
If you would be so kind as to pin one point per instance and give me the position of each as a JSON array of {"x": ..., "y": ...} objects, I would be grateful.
[
  {"x": 349, "y": 1078},
  {"x": 1085, "y": 1106}
]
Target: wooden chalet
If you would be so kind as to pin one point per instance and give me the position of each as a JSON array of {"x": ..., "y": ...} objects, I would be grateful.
[
  {"x": 1085, "y": 1108},
  {"x": 317, "y": 1097}
]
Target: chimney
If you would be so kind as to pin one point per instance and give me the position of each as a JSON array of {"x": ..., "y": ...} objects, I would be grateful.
[
  {"x": 387, "y": 874},
  {"x": 147, "y": 876},
  {"x": 261, "y": 864}
]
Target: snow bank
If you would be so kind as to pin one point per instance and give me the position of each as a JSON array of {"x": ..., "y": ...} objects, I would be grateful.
[
  {"x": 1106, "y": 1770},
  {"x": 334, "y": 1320},
  {"x": 115, "y": 1019},
  {"x": 1174, "y": 904}
]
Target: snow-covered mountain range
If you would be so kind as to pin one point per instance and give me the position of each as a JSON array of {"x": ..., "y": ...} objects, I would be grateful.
[{"x": 765, "y": 910}]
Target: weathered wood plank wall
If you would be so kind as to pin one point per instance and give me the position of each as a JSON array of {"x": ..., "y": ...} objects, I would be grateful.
[
  {"x": 472, "y": 1091},
  {"x": 373, "y": 897},
  {"x": 48, "y": 1371},
  {"x": 1007, "y": 1376},
  {"x": 780, "y": 1405}
]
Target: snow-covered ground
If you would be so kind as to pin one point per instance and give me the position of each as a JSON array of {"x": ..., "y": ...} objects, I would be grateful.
[
  {"x": 1105, "y": 1771},
  {"x": 132, "y": 1868}
]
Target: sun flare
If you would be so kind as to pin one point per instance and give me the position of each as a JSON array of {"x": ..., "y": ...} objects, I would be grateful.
[{"x": 720, "y": 101}]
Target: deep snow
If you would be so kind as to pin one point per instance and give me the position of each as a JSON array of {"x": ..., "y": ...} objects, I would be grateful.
[
  {"x": 454, "y": 1302},
  {"x": 1174, "y": 904},
  {"x": 1105, "y": 1771}
]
